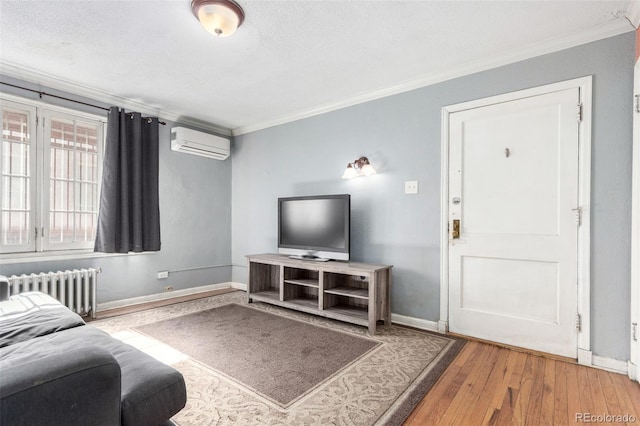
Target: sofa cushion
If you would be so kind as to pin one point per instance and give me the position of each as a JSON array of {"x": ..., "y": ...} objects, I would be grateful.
[
  {"x": 33, "y": 314},
  {"x": 151, "y": 391},
  {"x": 75, "y": 387}
]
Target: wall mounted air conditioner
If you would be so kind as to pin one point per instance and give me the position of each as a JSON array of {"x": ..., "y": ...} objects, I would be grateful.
[{"x": 198, "y": 143}]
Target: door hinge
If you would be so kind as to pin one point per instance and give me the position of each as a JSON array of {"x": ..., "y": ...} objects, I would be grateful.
[
  {"x": 634, "y": 331},
  {"x": 36, "y": 229},
  {"x": 637, "y": 103},
  {"x": 578, "y": 213},
  {"x": 579, "y": 112},
  {"x": 578, "y": 322}
]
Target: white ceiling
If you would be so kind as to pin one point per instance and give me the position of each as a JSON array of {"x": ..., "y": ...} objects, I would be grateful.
[{"x": 289, "y": 59}]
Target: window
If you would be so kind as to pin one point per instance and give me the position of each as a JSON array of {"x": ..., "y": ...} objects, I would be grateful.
[{"x": 51, "y": 161}]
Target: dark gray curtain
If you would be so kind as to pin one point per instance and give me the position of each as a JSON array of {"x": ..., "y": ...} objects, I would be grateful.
[{"x": 129, "y": 215}]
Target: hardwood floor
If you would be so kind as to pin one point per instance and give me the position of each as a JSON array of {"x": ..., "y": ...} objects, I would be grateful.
[{"x": 490, "y": 385}]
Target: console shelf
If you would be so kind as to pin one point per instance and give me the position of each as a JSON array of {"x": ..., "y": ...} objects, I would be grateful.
[
  {"x": 360, "y": 293},
  {"x": 353, "y": 292},
  {"x": 269, "y": 295},
  {"x": 306, "y": 283}
]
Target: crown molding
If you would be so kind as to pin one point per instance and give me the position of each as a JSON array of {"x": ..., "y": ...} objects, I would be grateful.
[
  {"x": 610, "y": 29},
  {"x": 633, "y": 13},
  {"x": 36, "y": 77}
]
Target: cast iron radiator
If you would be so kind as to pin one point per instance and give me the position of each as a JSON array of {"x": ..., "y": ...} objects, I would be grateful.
[{"x": 76, "y": 289}]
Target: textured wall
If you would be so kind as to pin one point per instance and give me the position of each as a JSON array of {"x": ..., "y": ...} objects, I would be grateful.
[
  {"x": 401, "y": 136},
  {"x": 195, "y": 221}
]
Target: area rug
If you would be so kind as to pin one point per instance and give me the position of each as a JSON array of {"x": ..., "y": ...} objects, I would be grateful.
[
  {"x": 277, "y": 357},
  {"x": 235, "y": 377}
]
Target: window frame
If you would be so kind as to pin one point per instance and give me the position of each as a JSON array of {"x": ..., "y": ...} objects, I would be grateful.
[
  {"x": 42, "y": 114},
  {"x": 30, "y": 245}
]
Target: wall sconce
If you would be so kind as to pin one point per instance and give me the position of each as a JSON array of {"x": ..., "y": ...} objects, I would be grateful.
[
  {"x": 360, "y": 167},
  {"x": 219, "y": 17}
]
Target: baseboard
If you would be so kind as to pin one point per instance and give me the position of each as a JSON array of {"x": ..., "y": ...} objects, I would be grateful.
[
  {"x": 633, "y": 372},
  {"x": 613, "y": 365},
  {"x": 415, "y": 322},
  {"x": 395, "y": 318},
  {"x": 167, "y": 295},
  {"x": 238, "y": 286},
  {"x": 585, "y": 357}
]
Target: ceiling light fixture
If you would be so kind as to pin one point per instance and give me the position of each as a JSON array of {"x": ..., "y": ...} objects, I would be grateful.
[
  {"x": 360, "y": 167},
  {"x": 219, "y": 17}
]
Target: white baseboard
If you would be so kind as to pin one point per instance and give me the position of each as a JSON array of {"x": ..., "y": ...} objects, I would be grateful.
[
  {"x": 239, "y": 286},
  {"x": 415, "y": 322},
  {"x": 585, "y": 357},
  {"x": 167, "y": 295},
  {"x": 633, "y": 372},
  {"x": 613, "y": 365}
]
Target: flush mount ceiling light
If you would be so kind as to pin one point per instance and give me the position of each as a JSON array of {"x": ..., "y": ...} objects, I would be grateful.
[
  {"x": 219, "y": 17},
  {"x": 360, "y": 167}
]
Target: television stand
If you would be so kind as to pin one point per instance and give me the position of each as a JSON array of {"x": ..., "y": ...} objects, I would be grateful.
[
  {"x": 309, "y": 257},
  {"x": 358, "y": 293}
]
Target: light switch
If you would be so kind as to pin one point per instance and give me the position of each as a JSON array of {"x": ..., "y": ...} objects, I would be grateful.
[{"x": 411, "y": 187}]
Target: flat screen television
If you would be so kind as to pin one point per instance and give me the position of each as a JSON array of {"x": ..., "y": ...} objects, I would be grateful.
[{"x": 315, "y": 227}]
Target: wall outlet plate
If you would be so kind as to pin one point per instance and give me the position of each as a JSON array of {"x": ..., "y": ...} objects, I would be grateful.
[
  {"x": 168, "y": 288},
  {"x": 163, "y": 275},
  {"x": 411, "y": 187}
]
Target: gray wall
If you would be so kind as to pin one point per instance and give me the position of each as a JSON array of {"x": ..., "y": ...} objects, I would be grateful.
[
  {"x": 401, "y": 136},
  {"x": 195, "y": 221}
]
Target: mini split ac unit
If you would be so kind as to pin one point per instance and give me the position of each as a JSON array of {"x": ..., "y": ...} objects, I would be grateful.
[{"x": 198, "y": 143}]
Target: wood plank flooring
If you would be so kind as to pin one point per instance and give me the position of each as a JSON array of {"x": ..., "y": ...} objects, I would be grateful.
[{"x": 490, "y": 385}]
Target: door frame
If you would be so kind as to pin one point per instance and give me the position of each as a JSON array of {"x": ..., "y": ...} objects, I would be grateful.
[
  {"x": 584, "y": 201},
  {"x": 634, "y": 361}
]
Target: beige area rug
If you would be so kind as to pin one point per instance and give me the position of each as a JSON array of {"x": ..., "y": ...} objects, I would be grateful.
[
  {"x": 378, "y": 381},
  {"x": 279, "y": 358}
]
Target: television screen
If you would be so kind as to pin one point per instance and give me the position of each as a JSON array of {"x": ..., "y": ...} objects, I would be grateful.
[{"x": 315, "y": 226}]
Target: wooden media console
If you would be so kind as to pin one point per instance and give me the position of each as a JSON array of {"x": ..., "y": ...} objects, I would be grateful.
[{"x": 353, "y": 292}]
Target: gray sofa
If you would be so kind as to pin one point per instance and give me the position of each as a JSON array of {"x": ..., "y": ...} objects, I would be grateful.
[{"x": 56, "y": 370}]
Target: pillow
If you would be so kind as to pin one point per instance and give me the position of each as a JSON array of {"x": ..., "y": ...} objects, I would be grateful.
[{"x": 32, "y": 314}]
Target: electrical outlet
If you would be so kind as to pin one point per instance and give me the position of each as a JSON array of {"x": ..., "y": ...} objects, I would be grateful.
[
  {"x": 168, "y": 288},
  {"x": 411, "y": 187},
  {"x": 163, "y": 275}
]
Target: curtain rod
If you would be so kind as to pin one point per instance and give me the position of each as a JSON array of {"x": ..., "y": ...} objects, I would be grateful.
[{"x": 41, "y": 93}]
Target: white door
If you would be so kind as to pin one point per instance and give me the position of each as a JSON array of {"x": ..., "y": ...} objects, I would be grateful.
[{"x": 513, "y": 188}]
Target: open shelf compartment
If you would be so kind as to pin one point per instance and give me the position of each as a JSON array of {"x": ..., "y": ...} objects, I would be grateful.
[
  {"x": 301, "y": 287},
  {"x": 264, "y": 279},
  {"x": 337, "y": 290},
  {"x": 350, "y": 286}
]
